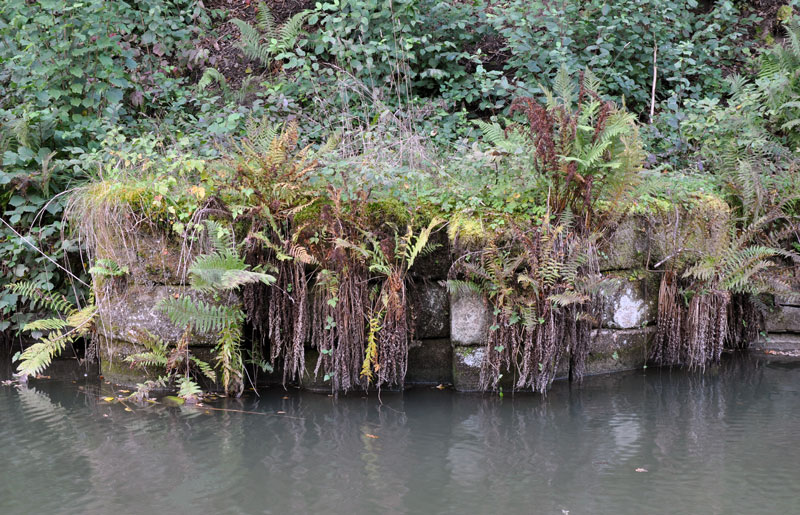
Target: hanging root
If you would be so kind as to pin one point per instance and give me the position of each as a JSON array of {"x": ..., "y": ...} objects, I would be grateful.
[
  {"x": 745, "y": 321},
  {"x": 690, "y": 333},
  {"x": 667, "y": 344},
  {"x": 392, "y": 359},
  {"x": 288, "y": 319},
  {"x": 340, "y": 302},
  {"x": 706, "y": 326},
  {"x": 279, "y": 313}
]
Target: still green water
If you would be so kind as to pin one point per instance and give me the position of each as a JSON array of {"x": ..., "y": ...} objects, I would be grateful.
[{"x": 724, "y": 442}]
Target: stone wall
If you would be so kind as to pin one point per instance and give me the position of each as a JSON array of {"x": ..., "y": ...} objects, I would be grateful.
[
  {"x": 450, "y": 329},
  {"x": 782, "y": 334}
]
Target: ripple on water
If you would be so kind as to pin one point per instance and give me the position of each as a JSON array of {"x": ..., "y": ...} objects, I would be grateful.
[{"x": 661, "y": 442}]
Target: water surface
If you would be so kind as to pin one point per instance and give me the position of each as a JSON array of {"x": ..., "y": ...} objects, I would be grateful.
[{"x": 724, "y": 442}]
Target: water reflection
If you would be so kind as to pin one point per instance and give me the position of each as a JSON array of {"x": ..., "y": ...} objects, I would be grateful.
[{"x": 723, "y": 442}]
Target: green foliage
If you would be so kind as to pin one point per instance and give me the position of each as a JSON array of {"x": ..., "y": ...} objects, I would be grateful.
[
  {"x": 224, "y": 269},
  {"x": 750, "y": 142},
  {"x": 178, "y": 363},
  {"x": 267, "y": 41},
  {"x": 542, "y": 282},
  {"x": 617, "y": 40},
  {"x": 68, "y": 325},
  {"x": 199, "y": 315},
  {"x": 221, "y": 271},
  {"x": 421, "y": 47},
  {"x": 108, "y": 268},
  {"x": 69, "y": 71}
]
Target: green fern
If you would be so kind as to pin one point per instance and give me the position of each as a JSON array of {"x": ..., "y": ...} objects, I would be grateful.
[
  {"x": 175, "y": 360},
  {"x": 40, "y": 299},
  {"x": 266, "y": 41},
  {"x": 221, "y": 270},
  {"x": 199, "y": 315},
  {"x": 36, "y": 358},
  {"x": 61, "y": 332},
  {"x": 188, "y": 389},
  {"x": 211, "y": 76},
  {"x": 108, "y": 268},
  {"x": 211, "y": 272}
]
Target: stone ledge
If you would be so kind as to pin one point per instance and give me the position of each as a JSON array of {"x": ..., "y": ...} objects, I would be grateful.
[
  {"x": 783, "y": 319},
  {"x": 151, "y": 257},
  {"x": 778, "y": 342},
  {"x": 627, "y": 246},
  {"x": 615, "y": 350}
]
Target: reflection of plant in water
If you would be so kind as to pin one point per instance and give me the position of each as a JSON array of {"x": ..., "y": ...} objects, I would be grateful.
[{"x": 180, "y": 366}]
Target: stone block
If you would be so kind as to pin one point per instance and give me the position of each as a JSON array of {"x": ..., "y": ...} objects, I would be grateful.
[
  {"x": 151, "y": 257},
  {"x": 784, "y": 300},
  {"x": 467, "y": 367},
  {"x": 469, "y": 318},
  {"x": 434, "y": 265},
  {"x": 311, "y": 382},
  {"x": 128, "y": 316},
  {"x": 626, "y": 248},
  {"x": 430, "y": 304},
  {"x": 783, "y": 319},
  {"x": 430, "y": 362},
  {"x": 629, "y": 303},
  {"x": 467, "y": 361},
  {"x": 781, "y": 342},
  {"x": 615, "y": 350}
]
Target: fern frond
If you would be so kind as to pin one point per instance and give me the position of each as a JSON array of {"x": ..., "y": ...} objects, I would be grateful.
[
  {"x": 187, "y": 388},
  {"x": 211, "y": 272},
  {"x": 108, "y": 268},
  {"x": 46, "y": 324},
  {"x": 251, "y": 44},
  {"x": 461, "y": 287},
  {"x": 492, "y": 132},
  {"x": 38, "y": 356},
  {"x": 420, "y": 242},
  {"x": 568, "y": 298},
  {"x": 41, "y": 299},
  {"x": 265, "y": 22},
  {"x": 204, "y": 367},
  {"x": 371, "y": 352},
  {"x": 229, "y": 357},
  {"x": 210, "y": 76},
  {"x": 147, "y": 359},
  {"x": 221, "y": 239},
  {"x": 291, "y": 30},
  {"x": 80, "y": 319},
  {"x": 199, "y": 315},
  {"x": 563, "y": 87}
]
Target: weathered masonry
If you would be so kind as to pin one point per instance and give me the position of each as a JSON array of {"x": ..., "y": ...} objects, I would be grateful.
[{"x": 450, "y": 328}]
